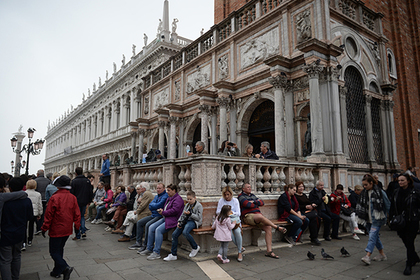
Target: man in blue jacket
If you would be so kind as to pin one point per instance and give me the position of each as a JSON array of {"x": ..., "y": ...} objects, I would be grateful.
[
  {"x": 143, "y": 224},
  {"x": 105, "y": 175},
  {"x": 15, "y": 217}
]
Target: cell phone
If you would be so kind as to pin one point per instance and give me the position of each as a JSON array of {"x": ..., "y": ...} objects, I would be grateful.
[{"x": 230, "y": 144}]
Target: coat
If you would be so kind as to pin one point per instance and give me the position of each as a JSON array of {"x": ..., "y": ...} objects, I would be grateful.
[
  {"x": 82, "y": 189},
  {"x": 157, "y": 203},
  {"x": 41, "y": 186},
  {"x": 223, "y": 230},
  {"x": 196, "y": 214},
  {"x": 284, "y": 206},
  {"x": 62, "y": 211},
  {"x": 35, "y": 198},
  {"x": 173, "y": 210},
  {"x": 335, "y": 204},
  {"x": 143, "y": 207}
]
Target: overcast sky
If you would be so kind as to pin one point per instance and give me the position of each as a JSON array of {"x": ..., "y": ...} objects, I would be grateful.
[{"x": 52, "y": 51}]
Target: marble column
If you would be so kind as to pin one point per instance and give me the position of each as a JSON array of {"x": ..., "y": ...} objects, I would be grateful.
[
  {"x": 133, "y": 109},
  {"x": 172, "y": 137},
  {"x": 223, "y": 103},
  {"x": 162, "y": 125},
  {"x": 280, "y": 84},
  {"x": 133, "y": 144},
  {"x": 88, "y": 129},
  {"x": 385, "y": 134},
  {"x": 233, "y": 124},
  {"x": 343, "y": 117},
  {"x": 205, "y": 110},
  {"x": 369, "y": 129},
  {"x": 181, "y": 147},
  {"x": 313, "y": 70},
  {"x": 335, "y": 111},
  {"x": 124, "y": 110},
  {"x": 83, "y": 133},
  {"x": 213, "y": 150},
  {"x": 290, "y": 123},
  {"x": 392, "y": 130},
  {"x": 141, "y": 143}
]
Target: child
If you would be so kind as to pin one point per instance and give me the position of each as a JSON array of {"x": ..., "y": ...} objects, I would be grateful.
[
  {"x": 191, "y": 218},
  {"x": 222, "y": 233}
]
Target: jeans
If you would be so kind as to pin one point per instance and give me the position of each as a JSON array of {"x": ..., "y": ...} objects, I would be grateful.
[
  {"x": 237, "y": 238},
  {"x": 143, "y": 226},
  {"x": 297, "y": 225},
  {"x": 90, "y": 210},
  {"x": 223, "y": 249},
  {"x": 156, "y": 232},
  {"x": 10, "y": 261},
  {"x": 82, "y": 221},
  {"x": 99, "y": 211},
  {"x": 373, "y": 238},
  {"x": 31, "y": 223},
  {"x": 190, "y": 225},
  {"x": 57, "y": 251}
]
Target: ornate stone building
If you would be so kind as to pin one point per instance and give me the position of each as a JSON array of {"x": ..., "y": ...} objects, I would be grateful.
[{"x": 311, "y": 77}]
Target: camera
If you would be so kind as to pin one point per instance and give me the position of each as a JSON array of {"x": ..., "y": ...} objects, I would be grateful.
[{"x": 230, "y": 144}]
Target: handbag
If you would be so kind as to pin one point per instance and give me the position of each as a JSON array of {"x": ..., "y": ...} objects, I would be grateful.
[
  {"x": 397, "y": 222},
  {"x": 346, "y": 211},
  {"x": 111, "y": 210}
]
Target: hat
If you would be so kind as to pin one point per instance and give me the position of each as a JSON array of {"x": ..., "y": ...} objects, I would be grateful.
[
  {"x": 62, "y": 181},
  {"x": 158, "y": 152}
]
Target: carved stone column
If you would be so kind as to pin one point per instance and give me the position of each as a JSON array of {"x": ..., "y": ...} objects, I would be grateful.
[
  {"x": 233, "y": 124},
  {"x": 88, "y": 129},
  {"x": 385, "y": 134},
  {"x": 223, "y": 103},
  {"x": 133, "y": 143},
  {"x": 343, "y": 117},
  {"x": 123, "y": 113},
  {"x": 280, "y": 84},
  {"x": 107, "y": 116},
  {"x": 392, "y": 130},
  {"x": 125, "y": 119},
  {"x": 369, "y": 129},
  {"x": 213, "y": 149},
  {"x": 162, "y": 125},
  {"x": 172, "y": 137},
  {"x": 181, "y": 148},
  {"x": 133, "y": 112},
  {"x": 205, "y": 111},
  {"x": 335, "y": 111},
  {"x": 141, "y": 143},
  {"x": 83, "y": 133},
  {"x": 313, "y": 70}
]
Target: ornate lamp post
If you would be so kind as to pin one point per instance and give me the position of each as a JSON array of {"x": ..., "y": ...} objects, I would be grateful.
[{"x": 33, "y": 148}]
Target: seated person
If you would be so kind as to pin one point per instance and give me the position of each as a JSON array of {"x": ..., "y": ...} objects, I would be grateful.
[
  {"x": 338, "y": 200},
  {"x": 199, "y": 147},
  {"x": 354, "y": 195},
  {"x": 308, "y": 209},
  {"x": 171, "y": 213},
  {"x": 191, "y": 218},
  {"x": 131, "y": 196},
  {"x": 158, "y": 156},
  {"x": 266, "y": 153},
  {"x": 119, "y": 203},
  {"x": 140, "y": 210},
  {"x": 288, "y": 210},
  {"x": 229, "y": 149},
  {"x": 319, "y": 197},
  {"x": 249, "y": 151},
  {"x": 107, "y": 199},
  {"x": 97, "y": 199},
  {"x": 251, "y": 215}
]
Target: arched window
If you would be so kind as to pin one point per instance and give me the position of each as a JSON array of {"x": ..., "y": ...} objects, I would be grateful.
[
  {"x": 356, "y": 126},
  {"x": 392, "y": 67}
]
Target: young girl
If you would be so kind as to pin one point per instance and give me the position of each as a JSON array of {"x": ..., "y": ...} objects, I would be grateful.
[{"x": 223, "y": 226}]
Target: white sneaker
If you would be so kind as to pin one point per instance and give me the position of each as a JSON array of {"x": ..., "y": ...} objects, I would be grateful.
[
  {"x": 355, "y": 237},
  {"x": 93, "y": 221},
  {"x": 366, "y": 260},
  {"x": 170, "y": 257},
  {"x": 380, "y": 258},
  {"x": 153, "y": 256},
  {"x": 194, "y": 252},
  {"x": 358, "y": 231},
  {"x": 108, "y": 229},
  {"x": 98, "y": 221}
]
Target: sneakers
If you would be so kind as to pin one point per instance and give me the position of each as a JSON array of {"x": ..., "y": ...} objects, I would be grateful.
[
  {"x": 125, "y": 238},
  {"x": 98, "y": 221},
  {"x": 88, "y": 219},
  {"x": 355, "y": 237},
  {"x": 219, "y": 257},
  {"x": 94, "y": 221},
  {"x": 290, "y": 240},
  {"x": 135, "y": 246},
  {"x": 357, "y": 230},
  {"x": 366, "y": 260},
  {"x": 194, "y": 252},
  {"x": 144, "y": 252},
  {"x": 380, "y": 258},
  {"x": 29, "y": 243},
  {"x": 226, "y": 261},
  {"x": 23, "y": 247},
  {"x": 153, "y": 256},
  {"x": 83, "y": 235},
  {"x": 170, "y": 257},
  {"x": 38, "y": 232},
  {"x": 108, "y": 229}
]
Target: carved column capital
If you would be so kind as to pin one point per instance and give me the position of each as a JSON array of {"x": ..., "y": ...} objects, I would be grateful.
[
  {"x": 142, "y": 131},
  {"x": 162, "y": 124},
  {"x": 368, "y": 99},
  {"x": 313, "y": 70},
  {"x": 280, "y": 82},
  {"x": 173, "y": 120},
  {"x": 334, "y": 73},
  {"x": 205, "y": 109},
  {"x": 133, "y": 134},
  {"x": 223, "y": 101},
  {"x": 343, "y": 92}
]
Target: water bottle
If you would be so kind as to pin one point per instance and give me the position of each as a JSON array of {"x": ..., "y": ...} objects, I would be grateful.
[
  {"x": 188, "y": 149},
  {"x": 213, "y": 219}
]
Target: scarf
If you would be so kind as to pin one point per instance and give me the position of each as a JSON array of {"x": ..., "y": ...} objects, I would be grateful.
[
  {"x": 362, "y": 207},
  {"x": 290, "y": 202}
]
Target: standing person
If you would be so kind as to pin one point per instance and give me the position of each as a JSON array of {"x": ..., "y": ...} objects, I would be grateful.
[
  {"x": 266, "y": 153},
  {"x": 288, "y": 210},
  {"x": 309, "y": 209},
  {"x": 62, "y": 212},
  {"x": 83, "y": 191},
  {"x": 251, "y": 215},
  {"x": 41, "y": 186},
  {"x": 319, "y": 197},
  {"x": 249, "y": 151},
  {"x": 16, "y": 212},
  {"x": 371, "y": 210},
  {"x": 105, "y": 174},
  {"x": 223, "y": 226},
  {"x": 35, "y": 198},
  {"x": 228, "y": 199},
  {"x": 338, "y": 201},
  {"x": 51, "y": 189},
  {"x": 191, "y": 218},
  {"x": 406, "y": 201}
]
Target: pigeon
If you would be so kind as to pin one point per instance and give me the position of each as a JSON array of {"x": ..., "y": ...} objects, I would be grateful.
[
  {"x": 311, "y": 256},
  {"x": 344, "y": 252},
  {"x": 324, "y": 255}
]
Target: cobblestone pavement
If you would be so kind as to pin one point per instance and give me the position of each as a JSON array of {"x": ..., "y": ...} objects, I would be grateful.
[{"x": 100, "y": 256}]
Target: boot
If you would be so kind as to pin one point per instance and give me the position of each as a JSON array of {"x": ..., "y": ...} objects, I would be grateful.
[{"x": 407, "y": 270}]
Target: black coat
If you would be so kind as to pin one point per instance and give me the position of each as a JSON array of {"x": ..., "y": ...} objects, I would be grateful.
[
  {"x": 314, "y": 198},
  {"x": 82, "y": 189},
  {"x": 41, "y": 186},
  {"x": 130, "y": 202}
]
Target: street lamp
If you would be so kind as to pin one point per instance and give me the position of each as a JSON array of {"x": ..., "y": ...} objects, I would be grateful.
[{"x": 33, "y": 148}]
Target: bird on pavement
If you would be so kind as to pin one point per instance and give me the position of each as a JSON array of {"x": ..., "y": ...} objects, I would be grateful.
[
  {"x": 311, "y": 256},
  {"x": 324, "y": 255},
  {"x": 344, "y": 252}
]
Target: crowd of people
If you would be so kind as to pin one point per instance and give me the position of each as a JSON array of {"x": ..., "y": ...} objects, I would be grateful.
[{"x": 61, "y": 206}]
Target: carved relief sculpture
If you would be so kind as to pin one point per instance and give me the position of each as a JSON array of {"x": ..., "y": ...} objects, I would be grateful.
[
  {"x": 259, "y": 48},
  {"x": 177, "y": 90},
  {"x": 146, "y": 105},
  {"x": 198, "y": 79},
  {"x": 161, "y": 98},
  {"x": 303, "y": 26},
  {"x": 223, "y": 67}
]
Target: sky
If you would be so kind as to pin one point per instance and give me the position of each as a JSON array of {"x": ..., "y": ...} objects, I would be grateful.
[{"x": 52, "y": 51}]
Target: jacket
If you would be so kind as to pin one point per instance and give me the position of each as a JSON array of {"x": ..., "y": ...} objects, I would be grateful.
[
  {"x": 105, "y": 168},
  {"x": 98, "y": 195},
  {"x": 158, "y": 202},
  {"x": 249, "y": 204},
  {"x": 108, "y": 198},
  {"x": 269, "y": 155},
  {"x": 173, "y": 210},
  {"x": 41, "y": 186},
  {"x": 120, "y": 200},
  {"x": 51, "y": 189},
  {"x": 196, "y": 214},
  {"x": 408, "y": 202},
  {"x": 35, "y": 198},
  {"x": 314, "y": 198},
  {"x": 82, "y": 189},
  {"x": 62, "y": 211},
  {"x": 335, "y": 204},
  {"x": 143, "y": 207},
  {"x": 223, "y": 230},
  {"x": 285, "y": 204},
  {"x": 131, "y": 199}
]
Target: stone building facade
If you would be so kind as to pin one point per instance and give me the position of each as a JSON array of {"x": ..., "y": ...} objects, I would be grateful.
[{"x": 310, "y": 77}]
